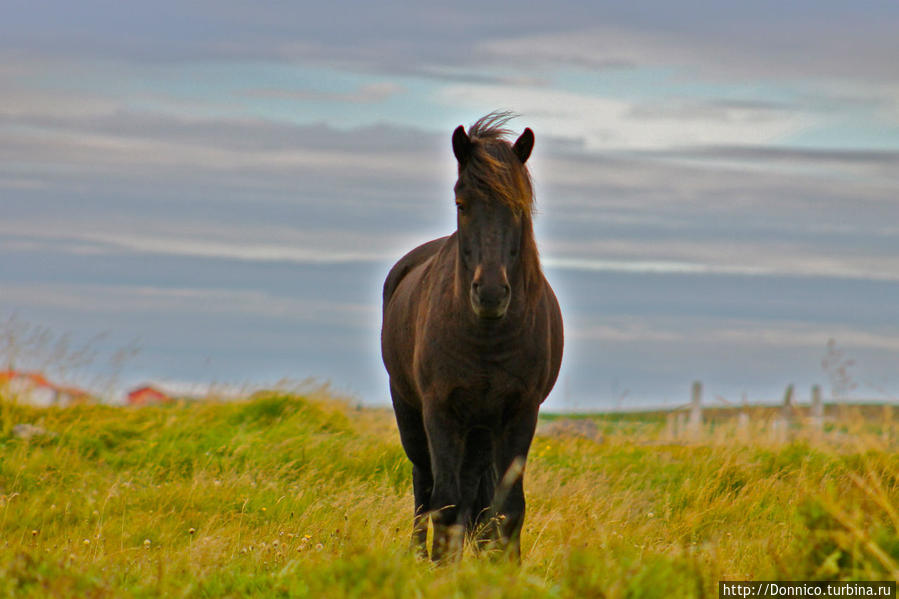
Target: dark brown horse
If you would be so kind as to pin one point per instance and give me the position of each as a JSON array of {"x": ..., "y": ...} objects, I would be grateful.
[{"x": 472, "y": 341}]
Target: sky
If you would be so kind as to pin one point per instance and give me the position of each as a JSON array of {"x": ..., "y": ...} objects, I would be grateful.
[{"x": 217, "y": 190}]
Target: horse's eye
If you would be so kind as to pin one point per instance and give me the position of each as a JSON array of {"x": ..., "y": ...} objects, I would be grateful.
[{"x": 460, "y": 206}]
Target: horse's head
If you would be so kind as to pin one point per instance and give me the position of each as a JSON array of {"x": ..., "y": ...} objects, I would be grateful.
[{"x": 493, "y": 201}]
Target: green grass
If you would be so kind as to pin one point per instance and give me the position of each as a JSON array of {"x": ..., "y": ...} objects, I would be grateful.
[{"x": 293, "y": 496}]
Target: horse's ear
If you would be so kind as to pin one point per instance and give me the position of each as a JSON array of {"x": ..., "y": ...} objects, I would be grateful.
[
  {"x": 524, "y": 144},
  {"x": 461, "y": 145}
]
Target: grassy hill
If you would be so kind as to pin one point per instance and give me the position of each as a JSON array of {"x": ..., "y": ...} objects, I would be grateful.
[{"x": 284, "y": 495}]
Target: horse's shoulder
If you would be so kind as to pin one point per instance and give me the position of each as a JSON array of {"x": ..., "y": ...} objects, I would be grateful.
[{"x": 408, "y": 262}]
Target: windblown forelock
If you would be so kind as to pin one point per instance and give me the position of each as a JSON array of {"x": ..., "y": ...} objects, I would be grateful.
[{"x": 494, "y": 168}]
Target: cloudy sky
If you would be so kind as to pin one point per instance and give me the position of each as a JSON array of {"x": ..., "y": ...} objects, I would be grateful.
[{"x": 225, "y": 186}]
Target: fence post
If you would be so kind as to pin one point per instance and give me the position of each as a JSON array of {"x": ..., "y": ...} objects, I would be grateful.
[
  {"x": 817, "y": 416},
  {"x": 887, "y": 422},
  {"x": 780, "y": 428},
  {"x": 694, "y": 424},
  {"x": 681, "y": 424},
  {"x": 743, "y": 419},
  {"x": 786, "y": 412},
  {"x": 671, "y": 425}
]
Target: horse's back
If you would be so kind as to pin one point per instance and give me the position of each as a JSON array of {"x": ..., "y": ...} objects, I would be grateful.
[{"x": 406, "y": 264}]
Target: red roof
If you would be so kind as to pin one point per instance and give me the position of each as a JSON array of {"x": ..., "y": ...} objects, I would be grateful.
[
  {"x": 147, "y": 395},
  {"x": 36, "y": 378}
]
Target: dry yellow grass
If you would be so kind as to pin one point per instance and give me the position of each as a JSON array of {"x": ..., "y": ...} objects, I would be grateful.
[{"x": 292, "y": 496}]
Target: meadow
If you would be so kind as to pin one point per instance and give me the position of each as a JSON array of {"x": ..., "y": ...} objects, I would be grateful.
[{"x": 288, "y": 495}]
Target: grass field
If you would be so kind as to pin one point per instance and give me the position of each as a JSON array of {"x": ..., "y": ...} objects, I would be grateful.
[{"x": 284, "y": 495}]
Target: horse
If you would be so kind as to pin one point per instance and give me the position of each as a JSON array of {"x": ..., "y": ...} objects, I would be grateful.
[{"x": 472, "y": 343}]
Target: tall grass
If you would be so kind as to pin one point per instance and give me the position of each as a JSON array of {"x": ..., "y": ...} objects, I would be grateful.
[{"x": 284, "y": 495}]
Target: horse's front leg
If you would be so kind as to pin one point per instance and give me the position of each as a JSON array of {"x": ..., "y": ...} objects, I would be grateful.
[
  {"x": 446, "y": 443},
  {"x": 421, "y": 485},
  {"x": 509, "y": 498}
]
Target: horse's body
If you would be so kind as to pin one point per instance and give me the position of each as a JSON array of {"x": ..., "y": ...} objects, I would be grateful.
[{"x": 472, "y": 341}]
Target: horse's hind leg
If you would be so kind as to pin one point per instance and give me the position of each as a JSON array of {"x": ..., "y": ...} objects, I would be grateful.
[{"x": 415, "y": 444}]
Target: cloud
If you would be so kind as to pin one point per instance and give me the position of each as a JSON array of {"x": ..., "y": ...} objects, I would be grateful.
[
  {"x": 742, "y": 111},
  {"x": 23, "y": 102},
  {"x": 120, "y": 139},
  {"x": 609, "y": 123},
  {"x": 853, "y": 71},
  {"x": 365, "y": 94},
  {"x": 765, "y": 188},
  {"x": 162, "y": 184},
  {"x": 735, "y": 50},
  {"x": 595, "y": 48},
  {"x": 715, "y": 258},
  {"x": 198, "y": 239},
  {"x": 726, "y": 40},
  {"x": 149, "y": 301},
  {"x": 651, "y": 266},
  {"x": 733, "y": 333},
  {"x": 247, "y": 252},
  {"x": 872, "y": 164}
]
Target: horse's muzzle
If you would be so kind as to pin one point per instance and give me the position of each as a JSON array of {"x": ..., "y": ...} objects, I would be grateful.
[{"x": 490, "y": 302}]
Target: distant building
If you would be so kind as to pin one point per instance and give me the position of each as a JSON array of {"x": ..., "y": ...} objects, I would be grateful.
[
  {"x": 147, "y": 395},
  {"x": 34, "y": 388}
]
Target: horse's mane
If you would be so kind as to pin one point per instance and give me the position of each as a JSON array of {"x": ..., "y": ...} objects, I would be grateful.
[{"x": 494, "y": 166}]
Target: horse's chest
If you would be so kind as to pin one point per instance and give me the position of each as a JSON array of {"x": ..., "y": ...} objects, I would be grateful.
[{"x": 487, "y": 372}]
